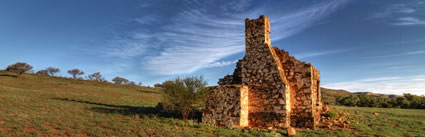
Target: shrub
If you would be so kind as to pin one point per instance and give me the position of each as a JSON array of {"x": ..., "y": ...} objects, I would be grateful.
[
  {"x": 120, "y": 80},
  {"x": 183, "y": 95},
  {"x": 157, "y": 85},
  {"x": 42, "y": 73}
]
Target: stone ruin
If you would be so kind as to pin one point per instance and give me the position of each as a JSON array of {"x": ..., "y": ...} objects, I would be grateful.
[{"x": 268, "y": 89}]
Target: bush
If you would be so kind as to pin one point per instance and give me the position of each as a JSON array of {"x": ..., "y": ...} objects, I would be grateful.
[
  {"x": 120, "y": 80},
  {"x": 184, "y": 95},
  {"x": 42, "y": 73},
  {"x": 157, "y": 85}
]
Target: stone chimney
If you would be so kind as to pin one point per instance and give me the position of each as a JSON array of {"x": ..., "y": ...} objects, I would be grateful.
[
  {"x": 257, "y": 33},
  {"x": 262, "y": 71}
]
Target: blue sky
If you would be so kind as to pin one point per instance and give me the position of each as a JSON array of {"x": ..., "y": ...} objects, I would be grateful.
[{"x": 376, "y": 46}]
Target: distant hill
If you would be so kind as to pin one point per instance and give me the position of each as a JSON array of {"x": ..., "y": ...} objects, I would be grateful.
[
  {"x": 329, "y": 95},
  {"x": 376, "y": 94}
]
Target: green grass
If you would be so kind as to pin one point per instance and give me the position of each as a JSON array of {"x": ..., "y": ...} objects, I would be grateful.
[
  {"x": 52, "y": 106},
  {"x": 389, "y": 121}
]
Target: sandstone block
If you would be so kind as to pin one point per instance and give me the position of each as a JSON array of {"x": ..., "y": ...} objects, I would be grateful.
[{"x": 291, "y": 131}]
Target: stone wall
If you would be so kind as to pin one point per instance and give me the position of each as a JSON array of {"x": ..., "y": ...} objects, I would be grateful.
[
  {"x": 227, "y": 106},
  {"x": 304, "y": 82},
  {"x": 232, "y": 79}
]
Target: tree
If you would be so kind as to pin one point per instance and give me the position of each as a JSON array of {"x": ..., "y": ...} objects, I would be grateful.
[
  {"x": 131, "y": 83},
  {"x": 184, "y": 94},
  {"x": 19, "y": 68},
  {"x": 96, "y": 77},
  {"x": 52, "y": 71},
  {"x": 157, "y": 85},
  {"x": 350, "y": 100},
  {"x": 415, "y": 101},
  {"x": 120, "y": 80},
  {"x": 42, "y": 72},
  {"x": 402, "y": 102},
  {"x": 363, "y": 100},
  {"x": 75, "y": 73}
]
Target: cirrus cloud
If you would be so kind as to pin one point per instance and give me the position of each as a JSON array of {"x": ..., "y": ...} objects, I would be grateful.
[{"x": 198, "y": 37}]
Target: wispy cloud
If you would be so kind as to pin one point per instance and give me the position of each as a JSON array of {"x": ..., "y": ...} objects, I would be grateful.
[
  {"x": 294, "y": 21},
  {"x": 146, "y": 19},
  {"x": 415, "y": 52},
  {"x": 199, "y": 37},
  {"x": 402, "y": 67},
  {"x": 220, "y": 64},
  {"x": 401, "y": 54},
  {"x": 145, "y": 4},
  {"x": 386, "y": 85},
  {"x": 197, "y": 40},
  {"x": 319, "y": 53},
  {"x": 401, "y": 15},
  {"x": 394, "y": 10},
  {"x": 236, "y": 5},
  {"x": 408, "y": 21},
  {"x": 130, "y": 47},
  {"x": 407, "y": 10}
]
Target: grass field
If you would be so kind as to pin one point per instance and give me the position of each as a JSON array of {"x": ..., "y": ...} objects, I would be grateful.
[{"x": 52, "y": 106}]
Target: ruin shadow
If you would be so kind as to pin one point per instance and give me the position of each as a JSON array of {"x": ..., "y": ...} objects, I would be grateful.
[
  {"x": 150, "y": 92},
  {"x": 141, "y": 111},
  {"x": 8, "y": 75}
]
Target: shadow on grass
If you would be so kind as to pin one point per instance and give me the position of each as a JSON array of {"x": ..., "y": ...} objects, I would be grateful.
[
  {"x": 93, "y": 103},
  {"x": 151, "y": 92},
  {"x": 126, "y": 110},
  {"x": 8, "y": 75}
]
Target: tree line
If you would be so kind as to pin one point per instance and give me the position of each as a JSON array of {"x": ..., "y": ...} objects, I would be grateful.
[
  {"x": 21, "y": 67},
  {"x": 405, "y": 101}
]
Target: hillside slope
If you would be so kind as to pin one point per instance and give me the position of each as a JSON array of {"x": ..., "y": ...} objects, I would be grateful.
[
  {"x": 53, "y": 106},
  {"x": 329, "y": 95}
]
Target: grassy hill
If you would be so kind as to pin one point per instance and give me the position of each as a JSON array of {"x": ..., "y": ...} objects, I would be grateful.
[
  {"x": 54, "y": 106},
  {"x": 329, "y": 95},
  {"x": 376, "y": 94}
]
